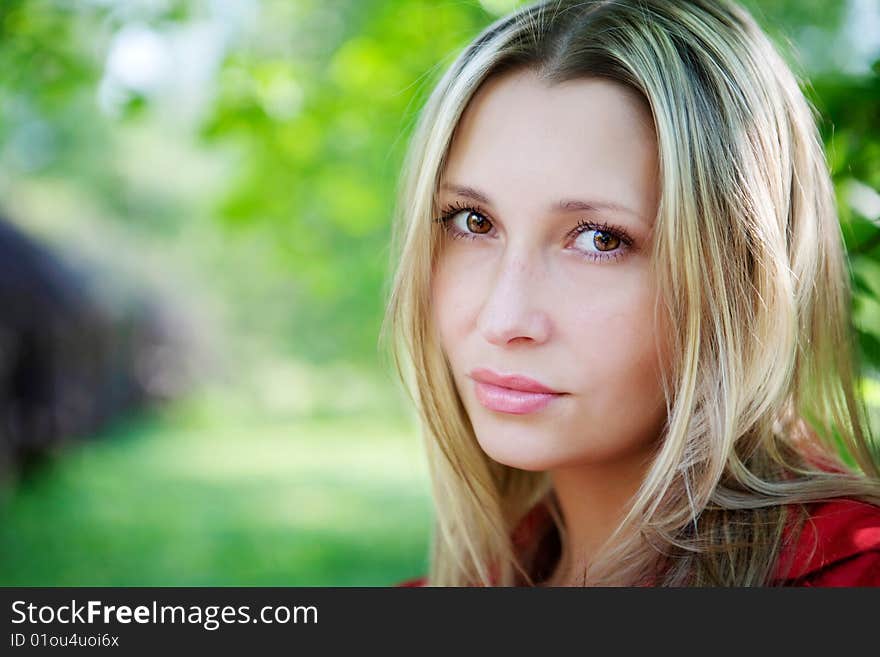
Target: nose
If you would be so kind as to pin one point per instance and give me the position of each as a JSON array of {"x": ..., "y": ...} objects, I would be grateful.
[{"x": 512, "y": 311}]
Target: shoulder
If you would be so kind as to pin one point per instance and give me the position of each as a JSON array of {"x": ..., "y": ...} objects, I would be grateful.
[
  {"x": 413, "y": 581},
  {"x": 839, "y": 545}
]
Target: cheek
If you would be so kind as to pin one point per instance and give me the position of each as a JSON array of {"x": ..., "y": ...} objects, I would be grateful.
[
  {"x": 613, "y": 319},
  {"x": 441, "y": 296},
  {"x": 619, "y": 363},
  {"x": 451, "y": 300},
  {"x": 616, "y": 335}
]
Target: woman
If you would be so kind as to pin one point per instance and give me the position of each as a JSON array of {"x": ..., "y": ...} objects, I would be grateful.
[{"x": 621, "y": 307}]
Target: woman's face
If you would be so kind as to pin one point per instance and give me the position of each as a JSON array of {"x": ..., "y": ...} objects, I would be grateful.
[{"x": 521, "y": 292}]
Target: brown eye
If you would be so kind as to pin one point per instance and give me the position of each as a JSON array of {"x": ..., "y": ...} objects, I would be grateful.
[
  {"x": 601, "y": 242},
  {"x": 478, "y": 223},
  {"x": 605, "y": 241}
]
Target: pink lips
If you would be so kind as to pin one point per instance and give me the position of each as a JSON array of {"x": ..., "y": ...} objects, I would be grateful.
[{"x": 511, "y": 394}]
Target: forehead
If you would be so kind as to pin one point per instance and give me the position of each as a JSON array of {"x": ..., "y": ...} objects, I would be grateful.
[{"x": 522, "y": 135}]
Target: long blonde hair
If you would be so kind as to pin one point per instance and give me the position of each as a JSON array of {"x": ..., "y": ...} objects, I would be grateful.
[{"x": 748, "y": 255}]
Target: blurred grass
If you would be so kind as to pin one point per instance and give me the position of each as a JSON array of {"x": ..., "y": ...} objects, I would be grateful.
[{"x": 201, "y": 495}]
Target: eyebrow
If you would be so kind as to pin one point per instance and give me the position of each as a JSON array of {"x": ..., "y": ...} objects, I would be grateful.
[{"x": 563, "y": 205}]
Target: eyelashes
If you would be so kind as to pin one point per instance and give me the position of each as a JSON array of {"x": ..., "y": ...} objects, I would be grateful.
[{"x": 607, "y": 231}]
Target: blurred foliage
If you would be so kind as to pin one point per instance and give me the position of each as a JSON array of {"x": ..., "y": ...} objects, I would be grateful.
[
  {"x": 851, "y": 130},
  {"x": 243, "y": 155}
]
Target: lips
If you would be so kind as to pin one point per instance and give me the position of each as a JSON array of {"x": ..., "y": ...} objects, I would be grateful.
[
  {"x": 512, "y": 381},
  {"x": 514, "y": 394}
]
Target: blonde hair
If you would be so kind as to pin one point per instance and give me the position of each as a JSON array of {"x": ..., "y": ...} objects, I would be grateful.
[{"x": 749, "y": 259}]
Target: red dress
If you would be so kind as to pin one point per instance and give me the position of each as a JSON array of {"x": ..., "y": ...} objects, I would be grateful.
[{"x": 839, "y": 546}]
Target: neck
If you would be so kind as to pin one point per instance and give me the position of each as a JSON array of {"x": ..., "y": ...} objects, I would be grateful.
[{"x": 593, "y": 499}]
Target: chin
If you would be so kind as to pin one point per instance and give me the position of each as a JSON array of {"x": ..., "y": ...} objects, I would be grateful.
[{"x": 515, "y": 456}]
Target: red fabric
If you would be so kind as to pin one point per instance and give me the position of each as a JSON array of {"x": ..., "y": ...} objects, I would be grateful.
[
  {"x": 839, "y": 546},
  {"x": 415, "y": 581}
]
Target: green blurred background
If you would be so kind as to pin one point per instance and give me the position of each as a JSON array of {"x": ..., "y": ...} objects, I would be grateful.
[{"x": 229, "y": 165}]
